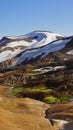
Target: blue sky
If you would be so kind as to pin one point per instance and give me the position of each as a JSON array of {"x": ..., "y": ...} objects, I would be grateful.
[{"x": 18, "y": 17}]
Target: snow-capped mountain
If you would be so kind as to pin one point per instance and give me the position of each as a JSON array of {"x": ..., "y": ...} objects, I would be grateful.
[{"x": 21, "y": 49}]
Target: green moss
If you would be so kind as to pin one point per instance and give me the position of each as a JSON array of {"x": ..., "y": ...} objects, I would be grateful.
[
  {"x": 36, "y": 88},
  {"x": 51, "y": 99},
  {"x": 16, "y": 90}
]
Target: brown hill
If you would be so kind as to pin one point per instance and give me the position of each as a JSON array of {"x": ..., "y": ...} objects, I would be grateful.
[
  {"x": 23, "y": 114},
  {"x": 30, "y": 114}
]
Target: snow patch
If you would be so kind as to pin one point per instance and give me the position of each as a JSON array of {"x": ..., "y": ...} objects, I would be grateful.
[
  {"x": 60, "y": 123},
  {"x": 70, "y": 52},
  {"x": 8, "y": 54},
  {"x": 48, "y": 69},
  {"x": 55, "y": 46},
  {"x": 59, "y": 67},
  {"x": 19, "y": 43}
]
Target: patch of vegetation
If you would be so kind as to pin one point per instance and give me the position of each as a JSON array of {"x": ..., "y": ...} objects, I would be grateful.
[
  {"x": 53, "y": 87},
  {"x": 31, "y": 89},
  {"x": 16, "y": 90},
  {"x": 51, "y": 99},
  {"x": 38, "y": 88}
]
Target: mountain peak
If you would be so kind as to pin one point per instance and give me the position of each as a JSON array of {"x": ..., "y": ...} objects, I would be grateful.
[{"x": 36, "y": 44}]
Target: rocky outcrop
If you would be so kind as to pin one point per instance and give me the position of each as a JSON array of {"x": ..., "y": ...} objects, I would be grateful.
[{"x": 61, "y": 116}]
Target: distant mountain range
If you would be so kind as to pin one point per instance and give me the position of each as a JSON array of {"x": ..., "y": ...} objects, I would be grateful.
[{"x": 34, "y": 46}]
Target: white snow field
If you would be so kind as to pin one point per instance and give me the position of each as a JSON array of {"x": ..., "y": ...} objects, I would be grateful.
[{"x": 41, "y": 44}]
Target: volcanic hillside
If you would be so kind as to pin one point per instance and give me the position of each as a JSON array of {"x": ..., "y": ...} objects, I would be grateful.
[{"x": 33, "y": 47}]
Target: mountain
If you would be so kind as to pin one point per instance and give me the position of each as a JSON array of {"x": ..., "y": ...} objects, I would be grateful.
[
  {"x": 38, "y": 65},
  {"x": 33, "y": 47}
]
